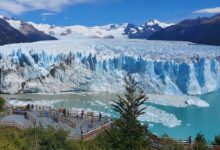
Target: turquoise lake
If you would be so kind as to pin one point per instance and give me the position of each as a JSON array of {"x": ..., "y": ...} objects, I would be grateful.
[{"x": 194, "y": 119}]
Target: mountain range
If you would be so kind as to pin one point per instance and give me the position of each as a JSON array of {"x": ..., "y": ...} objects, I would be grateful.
[
  {"x": 126, "y": 30},
  {"x": 17, "y": 31},
  {"x": 14, "y": 31},
  {"x": 201, "y": 30}
]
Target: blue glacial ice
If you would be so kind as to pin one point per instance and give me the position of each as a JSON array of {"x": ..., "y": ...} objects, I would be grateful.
[{"x": 98, "y": 65}]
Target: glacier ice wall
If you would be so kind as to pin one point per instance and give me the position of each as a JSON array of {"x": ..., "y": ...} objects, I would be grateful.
[{"x": 40, "y": 67}]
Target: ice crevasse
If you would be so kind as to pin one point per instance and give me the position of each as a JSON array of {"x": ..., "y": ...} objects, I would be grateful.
[{"x": 98, "y": 65}]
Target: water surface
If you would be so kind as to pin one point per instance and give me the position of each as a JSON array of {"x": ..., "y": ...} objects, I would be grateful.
[{"x": 194, "y": 119}]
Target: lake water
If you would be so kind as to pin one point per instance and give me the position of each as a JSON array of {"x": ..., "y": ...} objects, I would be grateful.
[{"x": 194, "y": 119}]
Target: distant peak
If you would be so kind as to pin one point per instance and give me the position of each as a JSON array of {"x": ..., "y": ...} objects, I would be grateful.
[{"x": 157, "y": 22}]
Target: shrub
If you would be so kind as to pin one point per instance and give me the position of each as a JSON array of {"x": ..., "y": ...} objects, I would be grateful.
[
  {"x": 200, "y": 142},
  {"x": 217, "y": 140},
  {"x": 2, "y": 102}
]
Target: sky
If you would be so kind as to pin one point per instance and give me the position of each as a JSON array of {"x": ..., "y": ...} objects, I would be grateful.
[{"x": 101, "y": 12}]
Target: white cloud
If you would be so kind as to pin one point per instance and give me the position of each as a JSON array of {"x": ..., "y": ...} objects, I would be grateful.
[
  {"x": 208, "y": 11},
  {"x": 12, "y": 7},
  {"x": 20, "y": 6},
  {"x": 48, "y": 14}
]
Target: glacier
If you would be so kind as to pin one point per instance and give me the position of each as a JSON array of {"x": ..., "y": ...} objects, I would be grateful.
[{"x": 98, "y": 65}]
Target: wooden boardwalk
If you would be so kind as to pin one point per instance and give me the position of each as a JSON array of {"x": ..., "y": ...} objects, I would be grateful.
[
  {"x": 83, "y": 128},
  {"x": 176, "y": 144}
]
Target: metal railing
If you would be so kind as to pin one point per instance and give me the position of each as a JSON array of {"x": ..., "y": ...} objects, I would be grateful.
[
  {"x": 13, "y": 123},
  {"x": 31, "y": 117},
  {"x": 93, "y": 133},
  {"x": 172, "y": 143}
]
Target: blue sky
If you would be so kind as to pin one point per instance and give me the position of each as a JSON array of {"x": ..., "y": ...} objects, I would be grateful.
[{"x": 100, "y": 12}]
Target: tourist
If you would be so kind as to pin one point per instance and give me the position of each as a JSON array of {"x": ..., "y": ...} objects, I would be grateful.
[
  {"x": 68, "y": 112},
  {"x": 91, "y": 123},
  {"x": 32, "y": 106},
  {"x": 100, "y": 116},
  {"x": 64, "y": 112},
  {"x": 19, "y": 111},
  {"x": 77, "y": 115},
  {"x": 82, "y": 113},
  {"x": 81, "y": 129},
  {"x": 45, "y": 114},
  {"x": 190, "y": 139}
]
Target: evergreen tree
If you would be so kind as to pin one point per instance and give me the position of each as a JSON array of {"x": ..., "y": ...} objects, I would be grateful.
[
  {"x": 200, "y": 142},
  {"x": 217, "y": 140},
  {"x": 128, "y": 133}
]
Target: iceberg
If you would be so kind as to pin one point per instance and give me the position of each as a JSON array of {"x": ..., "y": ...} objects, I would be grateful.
[
  {"x": 97, "y": 65},
  {"x": 154, "y": 115}
]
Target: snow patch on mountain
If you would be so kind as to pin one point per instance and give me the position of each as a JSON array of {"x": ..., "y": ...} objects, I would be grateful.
[
  {"x": 157, "y": 22},
  {"x": 107, "y": 31}
]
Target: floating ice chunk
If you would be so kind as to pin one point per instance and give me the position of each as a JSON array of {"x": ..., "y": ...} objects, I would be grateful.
[
  {"x": 155, "y": 115},
  {"x": 46, "y": 103},
  {"x": 176, "y": 100},
  {"x": 196, "y": 102}
]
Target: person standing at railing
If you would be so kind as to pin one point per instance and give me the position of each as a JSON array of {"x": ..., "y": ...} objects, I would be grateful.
[
  {"x": 81, "y": 130},
  {"x": 64, "y": 112},
  {"x": 82, "y": 113},
  {"x": 190, "y": 140},
  {"x": 100, "y": 116}
]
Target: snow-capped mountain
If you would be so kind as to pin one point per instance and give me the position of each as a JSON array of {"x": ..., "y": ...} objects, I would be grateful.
[
  {"x": 146, "y": 30},
  {"x": 16, "y": 31},
  {"x": 9, "y": 35},
  {"x": 205, "y": 30},
  {"x": 156, "y": 22},
  {"x": 125, "y": 30},
  {"x": 107, "y": 31}
]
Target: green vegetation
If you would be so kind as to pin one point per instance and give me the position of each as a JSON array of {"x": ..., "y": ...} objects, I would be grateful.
[
  {"x": 2, "y": 102},
  {"x": 128, "y": 132},
  {"x": 217, "y": 140},
  {"x": 41, "y": 139},
  {"x": 200, "y": 142}
]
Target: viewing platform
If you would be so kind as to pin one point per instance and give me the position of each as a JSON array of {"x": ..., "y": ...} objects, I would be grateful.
[{"x": 80, "y": 125}]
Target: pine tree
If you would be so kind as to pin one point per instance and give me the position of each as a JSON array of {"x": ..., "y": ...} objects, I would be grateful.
[
  {"x": 200, "y": 142},
  {"x": 217, "y": 140},
  {"x": 128, "y": 132}
]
